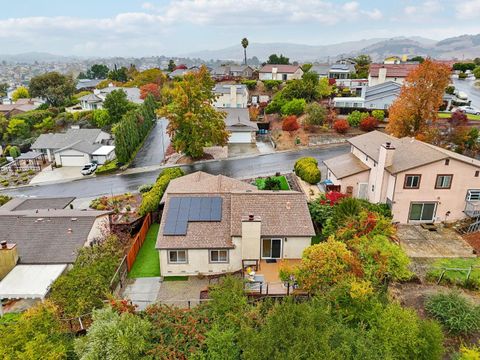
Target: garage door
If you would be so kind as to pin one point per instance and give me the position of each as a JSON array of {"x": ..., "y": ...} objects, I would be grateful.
[
  {"x": 72, "y": 160},
  {"x": 240, "y": 138}
]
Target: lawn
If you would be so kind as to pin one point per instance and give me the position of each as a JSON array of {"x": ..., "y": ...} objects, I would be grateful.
[
  {"x": 446, "y": 115},
  {"x": 147, "y": 263},
  {"x": 456, "y": 277},
  {"x": 260, "y": 183}
]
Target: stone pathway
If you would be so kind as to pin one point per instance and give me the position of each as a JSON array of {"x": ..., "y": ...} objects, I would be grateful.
[{"x": 143, "y": 291}]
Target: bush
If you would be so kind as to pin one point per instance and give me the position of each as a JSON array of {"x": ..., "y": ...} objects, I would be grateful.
[
  {"x": 462, "y": 76},
  {"x": 108, "y": 167},
  {"x": 276, "y": 104},
  {"x": 14, "y": 151},
  {"x": 271, "y": 84},
  {"x": 151, "y": 199},
  {"x": 316, "y": 114},
  {"x": 145, "y": 188},
  {"x": 378, "y": 114},
  {"x": 307, "y": 169},
  {"x": 251, "y": 84},
  {"x": 293, "y": 107},
  {"x": 290, "y": 123},
  {"x": 369, "y": 124},
  {"x": 272, "y": 183},
  {"x": 341, "y": 126},
  {"x": 4, "y": 199},
  {"x": 454, "y": 312},
  {"x": 355, "y": 118}
]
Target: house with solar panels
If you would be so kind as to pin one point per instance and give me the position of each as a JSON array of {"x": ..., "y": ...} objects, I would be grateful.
[{"x": 216, "y": 224}]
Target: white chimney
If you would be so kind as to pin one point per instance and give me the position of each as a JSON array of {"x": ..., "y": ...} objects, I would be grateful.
[
  {"x": 233, "y": 96},
  {"x": 251, "y": 237},
  {"x": 382, "y": 75},
  {"x": 385, "y": 159}
]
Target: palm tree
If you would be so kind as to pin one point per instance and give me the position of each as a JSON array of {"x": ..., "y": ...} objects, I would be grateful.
[{"x": 245, "y": 45}]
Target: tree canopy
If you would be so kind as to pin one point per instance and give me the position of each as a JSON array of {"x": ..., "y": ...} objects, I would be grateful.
[
  {"x": 20, "y": 93},
  {"x": 54, "y": 87},
  {"x": 278, "y": 60},
  {"x": 117, "y": 105}
]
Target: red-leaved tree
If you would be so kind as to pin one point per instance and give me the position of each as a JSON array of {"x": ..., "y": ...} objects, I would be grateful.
[
  {"x": 368, "y": 124},
  {"x": 152, "y": 88},
  {"x": 290, "y": 123},
  {"x": 341, "y": 126}
]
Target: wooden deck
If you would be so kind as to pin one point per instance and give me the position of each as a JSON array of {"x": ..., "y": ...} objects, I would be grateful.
[{"x": 272, "y": 283}]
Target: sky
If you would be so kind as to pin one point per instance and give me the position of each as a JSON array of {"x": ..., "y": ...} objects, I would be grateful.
[{"x": 106, "y": 28}]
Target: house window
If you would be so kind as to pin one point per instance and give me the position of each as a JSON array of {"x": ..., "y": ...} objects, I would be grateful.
[
  {"x": 447, "y": 162},
  {"x": 443, "y": 182},
  {"x": 412, "y": 181},
  {"x": 219, "y": 256},
  {"x": 477, "y": 173},
  {"x": 473, "y": 195},
  {"x": 177, "y": 256}
]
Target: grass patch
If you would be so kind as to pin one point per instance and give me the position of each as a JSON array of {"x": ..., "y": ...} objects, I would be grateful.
[
  {"x": 446, "y": 115},
  {"x": 147, "y": 263},
  {"x": 455, "y": 277},
  {"x": 260, "y": 182},
  {"x": 175, "y": 278}
]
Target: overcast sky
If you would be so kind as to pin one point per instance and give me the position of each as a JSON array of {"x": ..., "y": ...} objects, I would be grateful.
[{"x": 172, "y": 27}]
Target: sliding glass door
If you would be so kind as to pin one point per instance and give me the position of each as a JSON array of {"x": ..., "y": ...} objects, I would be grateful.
[
  {"x": 422, "y": 211},
  {"x": 271, "y": 248}
]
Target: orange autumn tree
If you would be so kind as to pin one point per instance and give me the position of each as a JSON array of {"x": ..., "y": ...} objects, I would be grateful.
[{"x": 420, "y": 98}]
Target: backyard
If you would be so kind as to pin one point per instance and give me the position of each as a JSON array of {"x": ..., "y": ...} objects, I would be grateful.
[
  {"x": 262, "y": 183},
  {"x": 147, "y": 263}
]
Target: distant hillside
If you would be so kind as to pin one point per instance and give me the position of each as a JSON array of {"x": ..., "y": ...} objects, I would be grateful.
[{"x": 31, "y": 57}]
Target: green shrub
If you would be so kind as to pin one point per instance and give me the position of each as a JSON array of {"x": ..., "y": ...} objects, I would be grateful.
[
  {"x": 14, "y": 151},
  {"x": 276, "y": 104},
  {"x": 151, "y": 199},
  {"x": 4, "y": 199},
  {"x": 272, "y": 84},
  {"x": 4, "y": 182},
  {"x": 293, "y": 107},
  {"x": 462, "y": 76},
  {"x": 455, "y": 277},
  {"x": 316, "y": 114},
  {"x": 251, "y": 84},
  {"x": 108, "y": 167},
  {"x": 378, "y": 114},
  {"x": 355, "y": 118},
  {"x": 454, "y": 312},
  {"x": 307, "y": 169},
  {"x": 145, "y": 188}
]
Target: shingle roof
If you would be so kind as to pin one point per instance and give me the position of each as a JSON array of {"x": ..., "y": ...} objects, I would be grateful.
[
  {"x": 393, "y": 70},
  {"x": 288, "y": 69},
  {"x": 90, "y": 98},
  {"x": 47, "y": 237},
  {"x": 409, "y": 153},
  {"x": 321, "y": 69},
  {"x": 345, "y": 165},
  {"x": 238, "y": 120},
  {"x": 239, "y": 200},
  {"x": 225, "y": 89},
  {"x": 82, "y": 146},
  {"x": 60, "y": 140},
  {"x": 17, "y": 204}
]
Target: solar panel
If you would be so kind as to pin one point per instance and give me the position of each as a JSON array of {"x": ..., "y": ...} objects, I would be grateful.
[{"x": 182, "y": 210}]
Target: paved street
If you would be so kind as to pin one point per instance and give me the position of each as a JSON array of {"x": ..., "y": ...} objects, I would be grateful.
[
  {"x": 152, "y": 152},
  {"x": 467, "y": 86},
  {"x": 238, "y": 168}
]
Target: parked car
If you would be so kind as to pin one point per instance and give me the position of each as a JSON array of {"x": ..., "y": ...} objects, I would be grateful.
[
  {"x": 89, "y": 169},
  {"x": 469, "y": 110}
]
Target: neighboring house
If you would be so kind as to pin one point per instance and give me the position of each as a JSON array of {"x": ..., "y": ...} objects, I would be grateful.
[
  {"x": 211, "y": 224},
  {"x": 40, "y": 239},
  {"x": 321, "y": 70},
  {"x": 95, "y": 100},
  {"x": 76, "y": 147},
  {"x": 240, "y": 71},
  {"x": 341, "y": 71},
  {"x": 394, "y": 60},
  {"x": 242, "y": 130},
  {"x": 19, "y": 107},
  {"x": 380, "y": 97},
  {"x": 87, "y": 84},
  {"x": 380, "y": 73},
  {"x": 90, "y": 102},
  {"x": 230, "y": 96},
  {"x": 280, "y": 72},
  {"x": 419, "y": 181}
]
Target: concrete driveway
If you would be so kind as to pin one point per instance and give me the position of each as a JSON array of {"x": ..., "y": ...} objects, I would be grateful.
[
  {"x": 58, "y": 174},
  {"x": 142, "y": 291},
  {"x": 443, "y": 243},
  {"x": 236, "y": 150}
]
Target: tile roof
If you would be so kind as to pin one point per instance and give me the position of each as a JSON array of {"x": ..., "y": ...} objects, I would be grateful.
[
  {"x": 288, "y": 69},
  {"x": 47, "y": 237},
  {"x": 239, "y": 200},
  {"x": 393, "y": 70},
  {"x": 345, "y": 165}
]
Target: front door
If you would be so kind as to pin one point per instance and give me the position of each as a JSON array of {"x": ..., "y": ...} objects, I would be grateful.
[
  {"x": 271, "y": 248},
  {"x": 424, "y": 212}
]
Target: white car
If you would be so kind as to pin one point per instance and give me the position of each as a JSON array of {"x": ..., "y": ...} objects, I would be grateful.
[
  {"x": 469, "y": 110},
  {"x": 89, "y": 168}
]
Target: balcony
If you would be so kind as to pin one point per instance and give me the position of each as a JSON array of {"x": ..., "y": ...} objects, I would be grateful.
[{"x": 472, "y": 208}]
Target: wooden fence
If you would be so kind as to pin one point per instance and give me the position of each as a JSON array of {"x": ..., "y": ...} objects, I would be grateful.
[{"x": 138, "y": 241}]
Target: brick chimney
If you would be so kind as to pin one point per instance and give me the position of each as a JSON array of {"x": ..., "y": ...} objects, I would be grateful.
[
  {"x": 251, "y": 236},
  {"x": 8, "y": 258}
]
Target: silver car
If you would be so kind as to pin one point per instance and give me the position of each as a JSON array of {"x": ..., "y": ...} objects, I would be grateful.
[
  {"x": 469, "y": 110},
  {"x": 89, "y": 168}
]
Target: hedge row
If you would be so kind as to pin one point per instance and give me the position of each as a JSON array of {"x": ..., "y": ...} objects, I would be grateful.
[
  {"x": 307, "y": 169},
  {"x": 151, "y": 199}
]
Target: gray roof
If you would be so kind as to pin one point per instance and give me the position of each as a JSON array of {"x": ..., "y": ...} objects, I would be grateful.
[
  {"x": 60, "y": 140},
  {"x": 238, "y": 120},
  {"x": 82, "y": 146},
  {"x": 409, "y": 152},
  {"x": 225, "y": 88},
  {"x": 345, "y": 165},
  {"x": 18, "y": 204},
  {"x": 87, "y": 83},
  {"x": 343, "y": 67},
  {"x": 321, "y": 69},
  {"x": 385, "y": 89},
  {"x": 47, "y": 237},
  {"x": 133, "y": 93},
  {"x": 90, "y": 98}
]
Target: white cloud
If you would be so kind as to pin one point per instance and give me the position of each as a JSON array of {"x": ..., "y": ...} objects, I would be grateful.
[
  {"x": 374, "y": 14},
  {"x": 424, "y": 9},
  {"x": 468, "y": 9}
]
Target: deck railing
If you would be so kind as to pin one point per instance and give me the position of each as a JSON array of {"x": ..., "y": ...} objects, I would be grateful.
[{"x": 472, "y": 208}]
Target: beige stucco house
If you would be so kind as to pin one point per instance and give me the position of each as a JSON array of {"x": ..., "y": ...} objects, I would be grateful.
[
  {"x": 419, "y": 181},
  {"x": 280, "y": 72},
  {"x": 211, "y": 223},
  {"x": 230, "y": 96},
  {"x": 380, "y": 73}
]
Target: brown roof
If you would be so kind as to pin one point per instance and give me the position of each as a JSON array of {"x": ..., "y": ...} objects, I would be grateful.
[
  {"x": 282, "y": 213},
  {"x": 345, "y": 165},
  {"x": 37, "y": 203},
  {"x": 288, "y": 69},
  {"x": 393, "y": 70}
]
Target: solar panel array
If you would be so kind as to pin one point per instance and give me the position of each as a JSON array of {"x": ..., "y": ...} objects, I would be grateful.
[{"x": 181, "y": 210}]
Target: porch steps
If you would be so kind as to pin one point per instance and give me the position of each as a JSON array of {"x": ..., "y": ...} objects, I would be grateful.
[{"x": 473, "y": 226}]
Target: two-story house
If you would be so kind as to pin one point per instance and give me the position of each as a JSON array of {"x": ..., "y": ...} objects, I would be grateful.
[
  {"x": 380, "y": 73},
  {"x": 230, "y": 96},
  {"x": 419, "y": 181},
  {"x": 280, "y": 72}
]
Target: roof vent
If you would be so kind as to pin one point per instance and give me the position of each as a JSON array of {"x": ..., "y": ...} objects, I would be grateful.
[
  {"x": 3, "y": 244},
  {"x": 69, "y": 230},
  {"x": 74, "y": 219},
  {"x": 387, "y": 145},
  {"x": 251, "y": 217},
  {"x": 288, "y": 206}
]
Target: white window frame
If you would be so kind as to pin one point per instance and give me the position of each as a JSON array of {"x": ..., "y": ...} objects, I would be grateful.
[
  {"x": 219, "y": 261},
  {"x": 177, "y": 261},
  {"x": 271, "y": 239},
  {"x": 475, "y": 192}
]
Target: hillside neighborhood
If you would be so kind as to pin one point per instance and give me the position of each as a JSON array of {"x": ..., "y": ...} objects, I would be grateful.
[{"x": 267, "y": 207}]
